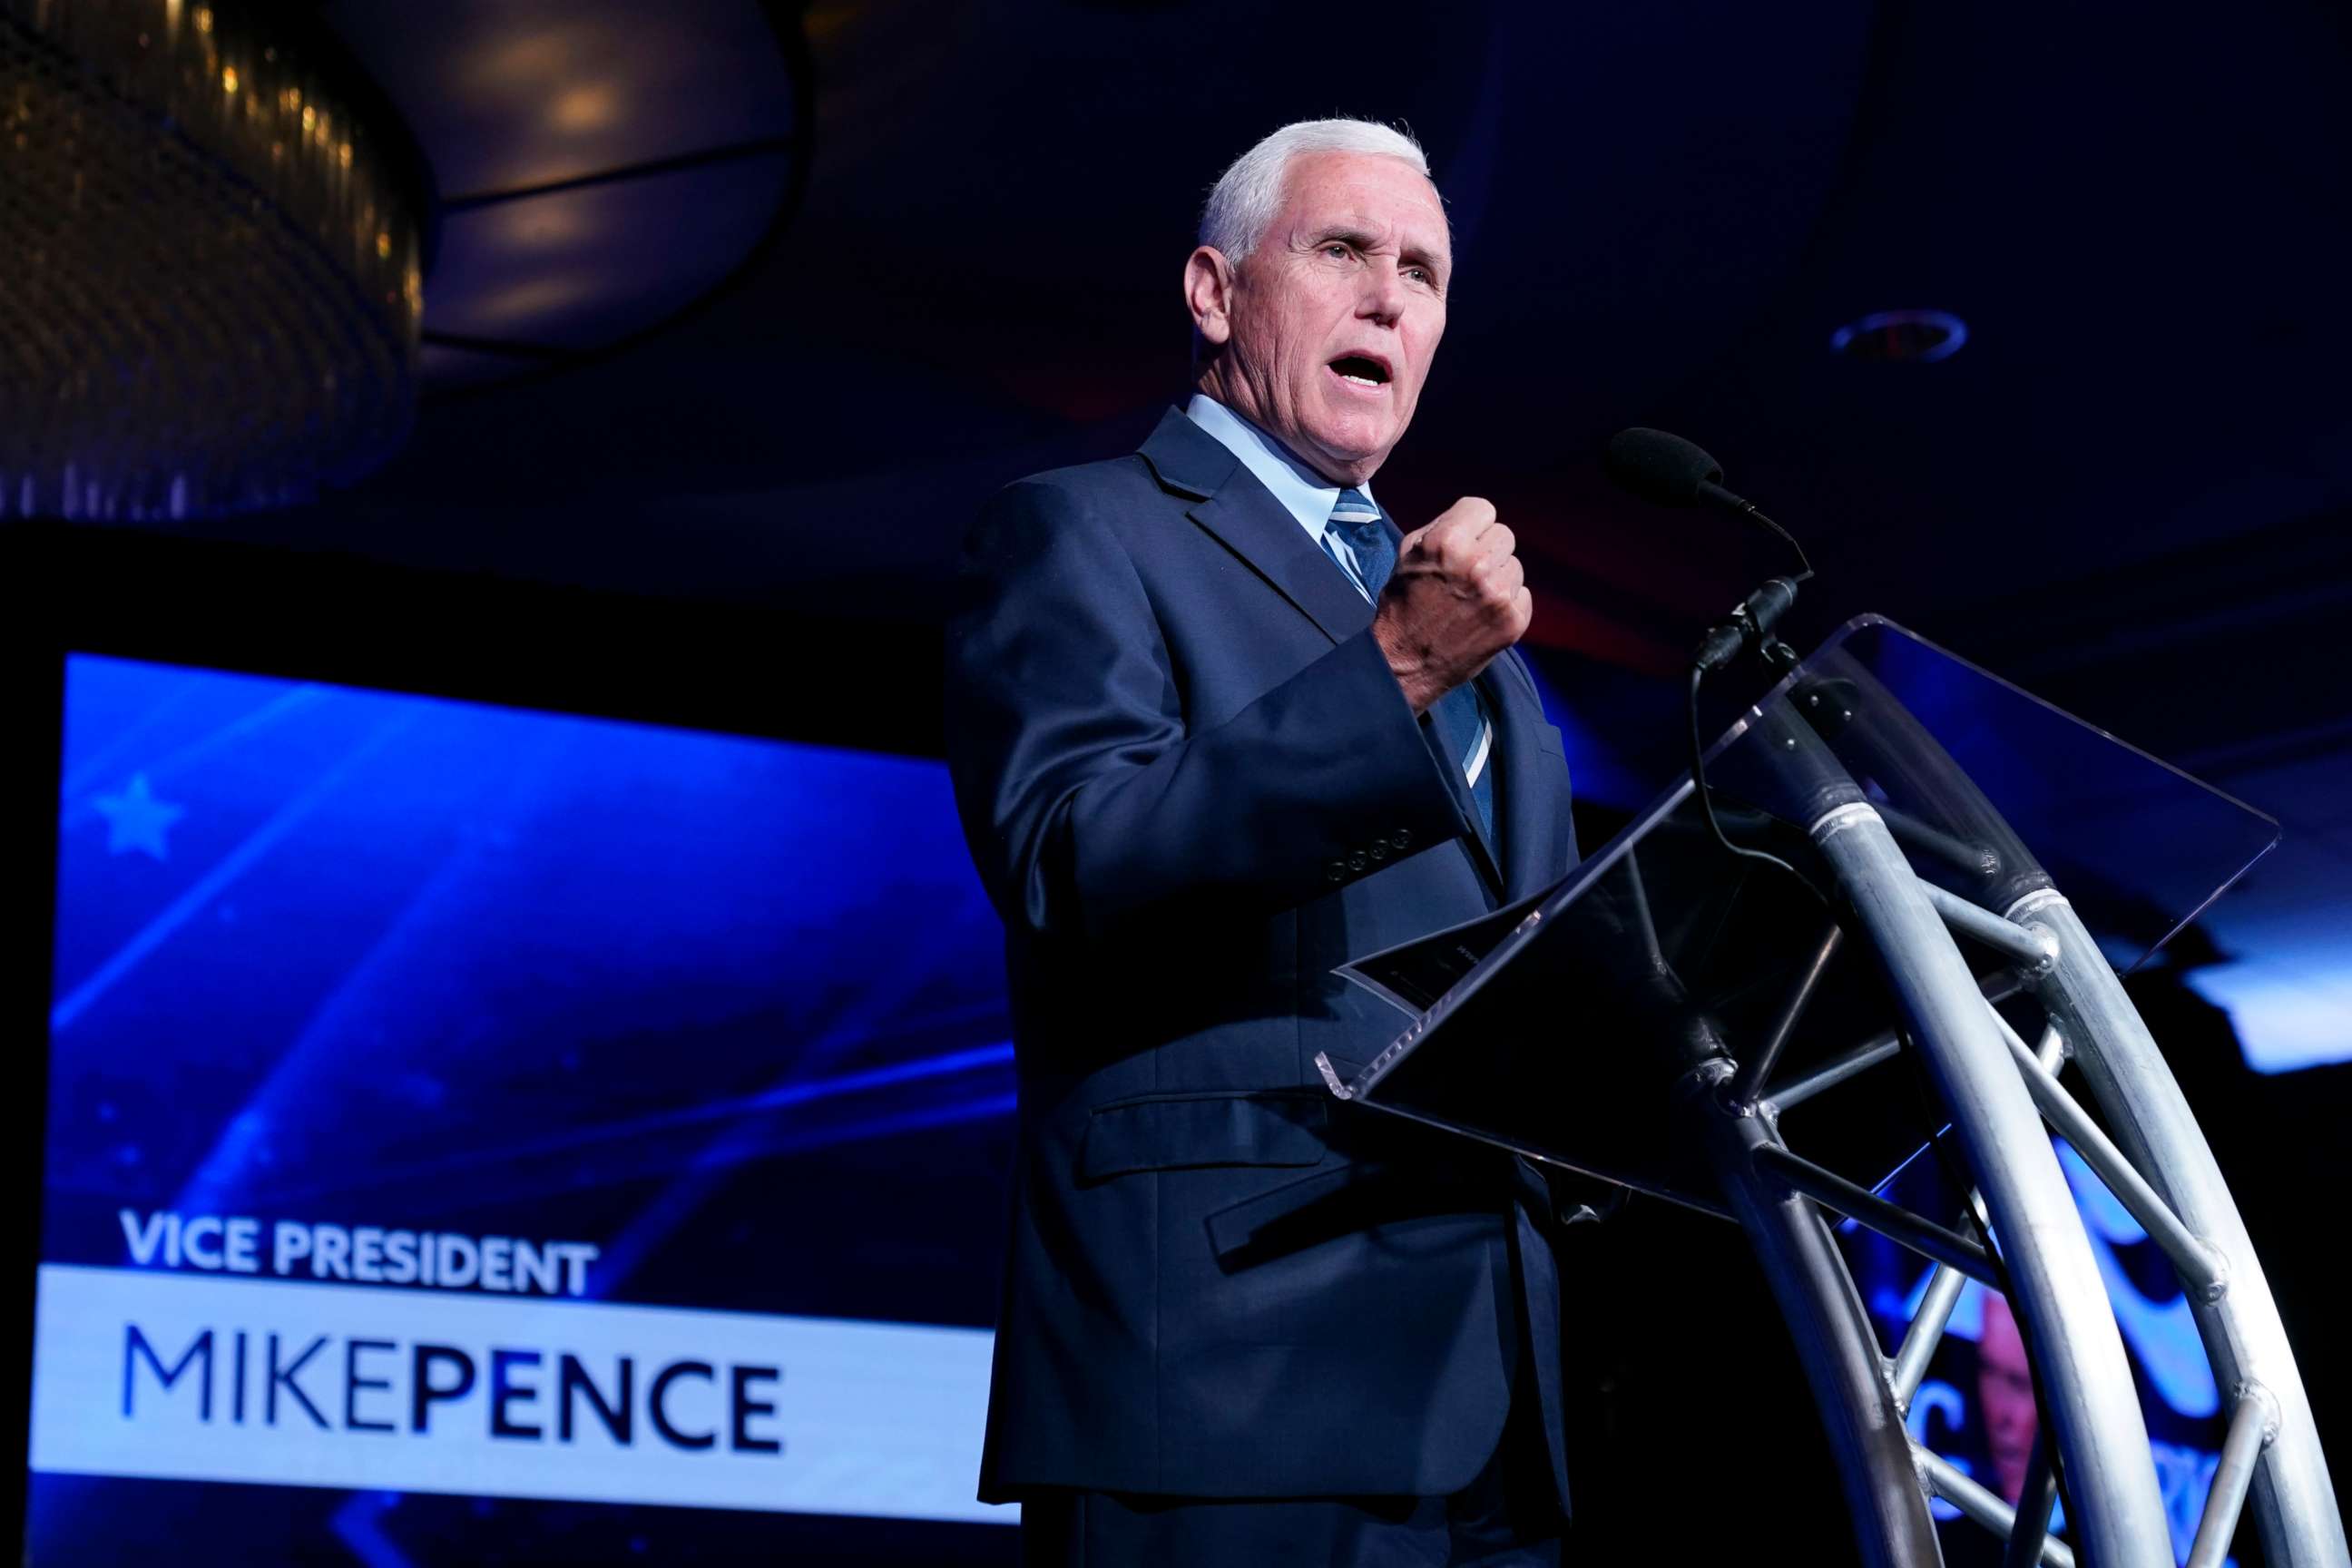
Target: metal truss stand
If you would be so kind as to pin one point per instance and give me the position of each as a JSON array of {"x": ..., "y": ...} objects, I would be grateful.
[
  {"x": 1632, "y": 1024},
  {"x": 2273, "y": 1445},
  {"x": 1998, "y": 1092}
]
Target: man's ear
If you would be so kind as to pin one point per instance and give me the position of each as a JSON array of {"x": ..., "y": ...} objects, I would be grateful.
[{"x": 1209, "y": 293}]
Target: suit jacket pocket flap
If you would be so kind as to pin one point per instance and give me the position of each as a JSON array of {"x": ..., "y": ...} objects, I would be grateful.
[{"x": 1165, "y": 1132}]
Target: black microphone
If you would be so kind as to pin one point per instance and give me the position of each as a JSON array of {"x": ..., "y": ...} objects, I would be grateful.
[{"x": 1663, "y": 468}]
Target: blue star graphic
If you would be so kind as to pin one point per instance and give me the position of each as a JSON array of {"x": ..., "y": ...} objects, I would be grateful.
[{"x": 135, "y": 819}]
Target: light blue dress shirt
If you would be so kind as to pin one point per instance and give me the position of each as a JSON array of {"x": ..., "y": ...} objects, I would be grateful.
[
  {"x": 1302, "y": 492},
  {"x": 1306, "y": 495}
]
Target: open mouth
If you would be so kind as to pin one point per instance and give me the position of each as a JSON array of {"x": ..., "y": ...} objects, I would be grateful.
[{"x": 1361, "y": 370}]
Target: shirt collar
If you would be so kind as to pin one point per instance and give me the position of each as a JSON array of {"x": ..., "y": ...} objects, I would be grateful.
[{"x": 1302, "y": 492}]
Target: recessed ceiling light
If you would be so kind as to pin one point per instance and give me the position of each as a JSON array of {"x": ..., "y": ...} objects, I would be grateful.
[{"x": 1918, "y": 337}]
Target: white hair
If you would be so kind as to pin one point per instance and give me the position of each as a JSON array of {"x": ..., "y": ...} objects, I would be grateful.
[{"x": 1242, "y": 205}]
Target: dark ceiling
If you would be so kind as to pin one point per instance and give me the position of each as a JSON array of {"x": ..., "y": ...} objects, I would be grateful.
[{"x": 2128, "y": 490}]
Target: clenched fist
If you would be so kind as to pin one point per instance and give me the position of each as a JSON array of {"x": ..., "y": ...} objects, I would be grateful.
[{"x": 1458, "y": 598}]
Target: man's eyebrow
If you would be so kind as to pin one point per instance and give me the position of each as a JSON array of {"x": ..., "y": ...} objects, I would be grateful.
[{"x": 1364, "y": 239}]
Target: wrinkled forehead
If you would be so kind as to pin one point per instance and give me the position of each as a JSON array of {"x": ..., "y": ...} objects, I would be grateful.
[{"x": 1368, "y": 193}]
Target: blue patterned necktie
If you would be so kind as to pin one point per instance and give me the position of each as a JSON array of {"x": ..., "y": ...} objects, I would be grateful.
[
  {"x": 1356, "y": 536},
  {"x": 1357, "y": 523}
]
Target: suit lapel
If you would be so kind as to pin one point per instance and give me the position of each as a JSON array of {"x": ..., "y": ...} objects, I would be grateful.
[
  {"x": 1257, "y": 527},
  {"x": 1523, "y": 800},
  {"x": 1244, "y": 517},
  {"x": 1230, "y": 503}
]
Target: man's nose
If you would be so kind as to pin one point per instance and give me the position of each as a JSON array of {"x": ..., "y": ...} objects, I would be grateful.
[{"x": 1381, "y": 296}]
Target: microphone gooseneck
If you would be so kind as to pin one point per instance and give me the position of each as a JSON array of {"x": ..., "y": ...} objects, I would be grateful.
[{"x": 1661, "y": 467}]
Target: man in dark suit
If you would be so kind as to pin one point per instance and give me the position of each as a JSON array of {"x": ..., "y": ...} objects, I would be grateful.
[{"x": 1215, "y": 728}]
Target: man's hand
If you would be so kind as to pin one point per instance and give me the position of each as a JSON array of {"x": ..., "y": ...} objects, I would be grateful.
[{"x": 1458, "y": 598}]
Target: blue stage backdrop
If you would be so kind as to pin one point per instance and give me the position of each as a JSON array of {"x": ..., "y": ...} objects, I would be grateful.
[{"x": 477, "y": 1134}]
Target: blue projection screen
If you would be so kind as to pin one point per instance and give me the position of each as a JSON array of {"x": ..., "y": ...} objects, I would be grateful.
[{"x": 483, "y": 1134}]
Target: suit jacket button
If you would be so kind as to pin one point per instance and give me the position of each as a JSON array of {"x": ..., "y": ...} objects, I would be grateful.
[
  {"x": 1400, "y": 838},
  {"x": 1336, "y": 871},
  {"x": 1356, "y": 862},
  {"x": 1379, "y": 850}
]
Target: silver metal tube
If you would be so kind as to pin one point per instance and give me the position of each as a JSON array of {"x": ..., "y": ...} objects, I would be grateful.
[
  {"x": 2249, "y": 1429},
  {"x": 1926, "y": 1330},
  {"x": 1835, "y": 1071},
  {"x": 2028, "y": 1533},
  {"x": 1984, "y": 1507},
  {"x": 2056, "y": 1290},
  {"x": 2199, "y": 1267},
  {"x": 1944, "y": 1285},
  {"x": 1758, "y": 1064},
  {"x": 1975, "y": 862},
  {"x": 1998, "y": 987},
  {"x": 2293, "y": 1499},
  {"x": 2031, "y": 951},
  {"x": 1889, "y": 1219},
  {"x": 1834, "y": 1339}
]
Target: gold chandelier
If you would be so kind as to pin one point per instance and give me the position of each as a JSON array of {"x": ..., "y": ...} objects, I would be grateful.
[{"x": 209, "y": 263}]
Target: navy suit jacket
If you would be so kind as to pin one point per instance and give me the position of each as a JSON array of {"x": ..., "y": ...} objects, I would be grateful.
[{"x": 1192, "y": 787}]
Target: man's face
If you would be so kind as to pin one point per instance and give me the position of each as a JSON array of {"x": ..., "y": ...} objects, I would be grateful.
[{"x": 1329, "y": 324}]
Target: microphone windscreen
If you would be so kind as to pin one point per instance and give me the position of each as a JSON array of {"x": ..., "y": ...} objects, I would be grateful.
[{"x": 1659, "y": 467}]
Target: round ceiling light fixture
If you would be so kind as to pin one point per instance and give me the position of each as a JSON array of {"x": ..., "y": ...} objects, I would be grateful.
[
  {"x": 210, "y": 240},
  {"x": 1904, "y": 337}
]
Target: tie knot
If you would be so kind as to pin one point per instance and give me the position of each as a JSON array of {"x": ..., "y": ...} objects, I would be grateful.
[
  {"x": 1355, "y": 525},
  {"x": 1353, "y": 509}
]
